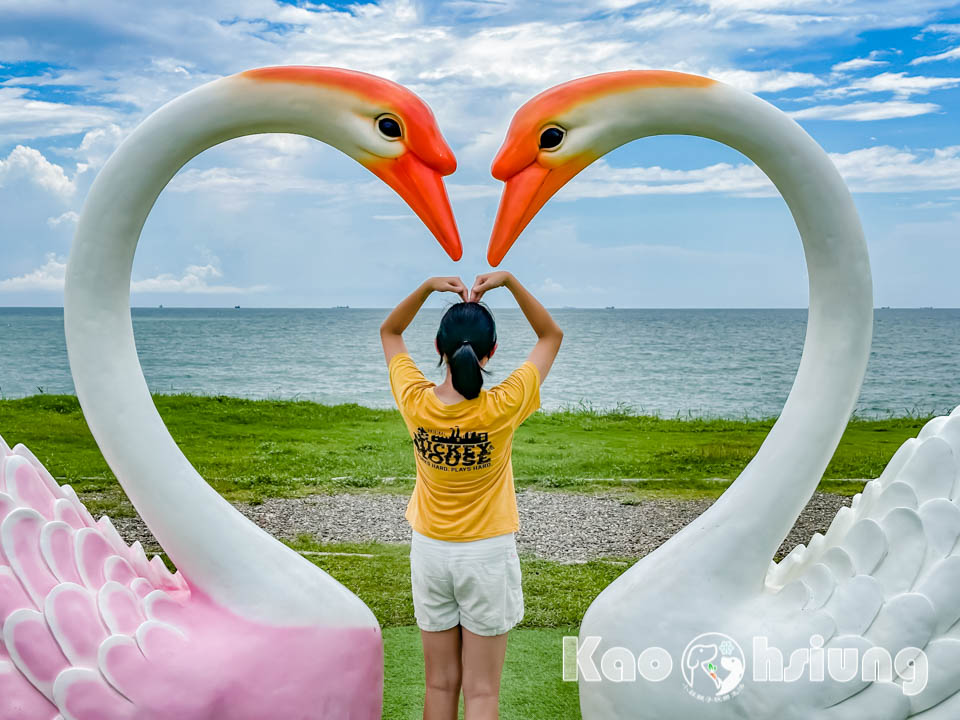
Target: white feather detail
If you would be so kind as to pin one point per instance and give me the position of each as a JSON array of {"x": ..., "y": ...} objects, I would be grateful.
[{"x": 895, "y": 558}]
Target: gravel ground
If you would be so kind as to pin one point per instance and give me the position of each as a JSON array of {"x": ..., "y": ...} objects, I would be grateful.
[{"x": 565, "y": 527}]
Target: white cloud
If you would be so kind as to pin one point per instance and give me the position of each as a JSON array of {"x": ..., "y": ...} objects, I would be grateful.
[
  {"x": 153, "y": 53},
  {"x": 881, "y": 169},
  {"x": 549, "y": 285},
  {"x": 463, "y": 192},
  {"x": 70, "y": 216},
  {"x": 259, "y": 181},
  {"x": 888, "y": 169},
  {"x": 900, "y": 84},
  {"x": 473, "y": 72},
  {"x": 953, "y": 54},
  {"x": 943, "y": 29},
  {"x": 98, "y": 144},
  {"x": 23, "y": 118},
  {"x": 47, "y": 277},
  {"x": 934, "y": 204},
  {"x": 858, "y": 64},
  {"x": 275, "y": 148},
  {"x": 866, "y": 111},
  {"x": 766, "y": 80},
  {"x": 602, "y": 180},
  {"x": 29, "y": 164},
  {"x": 195, "y": 279}
]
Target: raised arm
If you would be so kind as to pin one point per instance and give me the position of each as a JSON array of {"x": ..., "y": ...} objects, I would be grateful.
[
  {"x": 391, "y": 331},
  {"x": 549, "y": 334}
]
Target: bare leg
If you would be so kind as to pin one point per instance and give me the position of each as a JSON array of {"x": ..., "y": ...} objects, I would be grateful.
[
  {"x": 441, "y": 656},
  {"x": 482, "y": 668}
]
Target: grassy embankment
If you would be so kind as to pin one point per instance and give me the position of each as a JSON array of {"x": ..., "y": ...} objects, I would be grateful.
[{"x": 251, "y": 450}]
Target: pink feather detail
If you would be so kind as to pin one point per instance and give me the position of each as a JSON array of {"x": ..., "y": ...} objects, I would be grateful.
[
  {"x": 139, "y": 560},
  {"x": 19, "y": 700},
  {"x": 121, "y": 637},
  {"x": 33, "y": 649},
  {"x": 74, "y": 619},
  {"x": 120, "y": 609},
  {"x": 63, "y": 510},
  {"x": 110, "y": 534},
  {"x": 25, "y": 485},
  {"x": 7, "y": 506},
  {"x": 92, "y": 551},
  {"x": 20, "y": 538},
  {"x": 48, "y": 480},
  {"x": 83, "y": 694},
  {"x": 57, "y": 547},
  {"x": 141, "y": 587},
  {"x": 163, "y": 608},
  {"x": 12, "y": 595},
  {"x": 118, "y": 570},
  {"x": 71, "y": 495}
]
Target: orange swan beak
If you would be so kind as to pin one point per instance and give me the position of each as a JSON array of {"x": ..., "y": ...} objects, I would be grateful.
[
  {"x": 523, "y": 195},
  {"x": 421, "y": 186},
  {"x": 532, "y": 177}
]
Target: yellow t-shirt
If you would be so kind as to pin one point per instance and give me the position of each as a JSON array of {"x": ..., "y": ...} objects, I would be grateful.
[{"x": 464, "y": 487}]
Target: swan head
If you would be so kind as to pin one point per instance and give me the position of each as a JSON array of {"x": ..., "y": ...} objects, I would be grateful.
[
  {"x": 383, "y": 126},
  {"x": 561, "y": 131}
]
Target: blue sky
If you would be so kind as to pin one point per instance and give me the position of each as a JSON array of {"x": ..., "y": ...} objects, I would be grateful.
[{"x": 665, "y": 222}]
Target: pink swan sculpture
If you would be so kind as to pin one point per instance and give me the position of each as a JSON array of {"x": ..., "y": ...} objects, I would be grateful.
[
  {"x": 883, "y": 584},
  {"x": 247, "y": 629}
]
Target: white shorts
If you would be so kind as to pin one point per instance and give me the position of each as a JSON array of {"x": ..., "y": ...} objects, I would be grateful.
[{"x": 475, "y": 584}]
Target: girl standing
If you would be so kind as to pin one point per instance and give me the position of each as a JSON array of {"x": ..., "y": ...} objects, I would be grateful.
[{"x": 463, "y": 559}]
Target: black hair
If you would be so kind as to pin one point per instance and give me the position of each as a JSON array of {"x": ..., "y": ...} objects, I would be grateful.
[{"x": 466, "y": 335}]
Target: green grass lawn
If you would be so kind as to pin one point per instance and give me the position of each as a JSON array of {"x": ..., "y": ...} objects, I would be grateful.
[
  {"x": 556, "y": 597},
  {"x": 250, "y": 449}
]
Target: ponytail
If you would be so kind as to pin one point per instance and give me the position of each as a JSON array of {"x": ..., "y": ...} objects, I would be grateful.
[
  {"x": 467, "y": 335},
  {"x": 465, "y": 371}
]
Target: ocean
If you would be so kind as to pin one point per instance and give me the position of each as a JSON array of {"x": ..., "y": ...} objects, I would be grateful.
[{"x": 729, "y": 363}]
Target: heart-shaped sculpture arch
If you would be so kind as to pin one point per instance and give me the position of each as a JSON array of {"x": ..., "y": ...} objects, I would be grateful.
[
  {"x": 248, "y": 628},
  {"x": 726, "y": 552},
  {"x": 885, "y": 579},
  {"x": 196, "y": 527},
  {"x": 600, "y": 113}
]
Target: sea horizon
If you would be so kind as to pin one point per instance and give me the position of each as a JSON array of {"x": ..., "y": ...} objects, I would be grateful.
[
  {"x": 165, "y": 306},
  {"x": 701, "y": 362}
]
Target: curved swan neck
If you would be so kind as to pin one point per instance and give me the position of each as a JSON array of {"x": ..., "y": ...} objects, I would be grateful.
[
  {"x": 733, "y": 542},
  {"x": 216, "y": 548}
]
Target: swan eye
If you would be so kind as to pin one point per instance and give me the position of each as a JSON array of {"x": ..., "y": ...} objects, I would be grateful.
[
  {"x": 389, "y": 127},
  {"x": 551, "y": 138}
]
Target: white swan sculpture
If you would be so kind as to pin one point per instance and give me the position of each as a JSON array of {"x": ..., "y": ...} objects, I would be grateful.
[
  {"x": 247, "y": 629},
  {"x": 885, "y": 579}
]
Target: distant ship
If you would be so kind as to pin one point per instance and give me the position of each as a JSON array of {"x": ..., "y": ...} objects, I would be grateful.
[
  {"x": 610, "y": 307},
  {"x": 236, "y": 307},
  {"x": 341, "y": 307}
]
